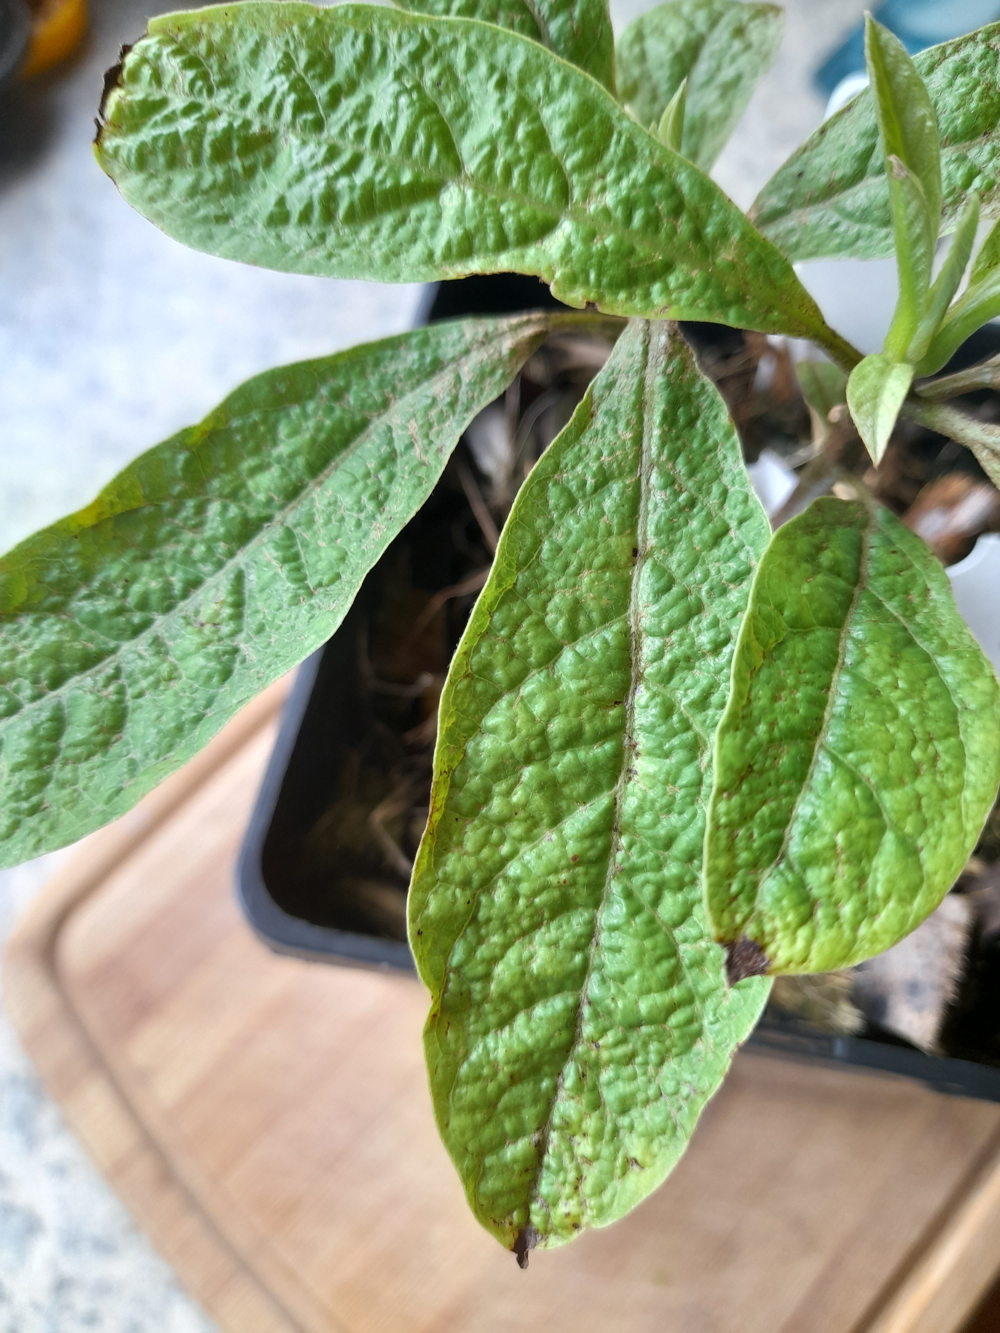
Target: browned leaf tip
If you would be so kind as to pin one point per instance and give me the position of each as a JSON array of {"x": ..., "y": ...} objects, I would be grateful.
[
  {"x": 525, "y": 1241},
  {"x": 745, "y": 958}
]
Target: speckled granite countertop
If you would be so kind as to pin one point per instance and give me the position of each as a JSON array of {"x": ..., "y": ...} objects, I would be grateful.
[{"x": 111, "y": 337}]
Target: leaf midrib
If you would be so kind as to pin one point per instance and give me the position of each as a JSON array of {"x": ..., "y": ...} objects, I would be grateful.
[
  {"x": 628, "y": 744},
  {"x": 824, "y": 727},
  {"x": 239, "y": 559},
  {"x": 572, "y": 213}
]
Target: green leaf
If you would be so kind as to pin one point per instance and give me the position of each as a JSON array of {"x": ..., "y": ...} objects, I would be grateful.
[
  {"x": 979, "y": 303},
  {"x": 905, "y": 114},
  {"x": 578, "y": 30},
  {"x": 360, "y": 142},
  {"x": 947, "y": 282},
  {"x": 671, "y": 127},
  {"x": 988, "y": 257},
  {"x": 911, "y": 151},
  {"x": 722, "y": 47},
  {"x": 132, "y": 630},
  {"x": 823, "y": 385},
  {"x": 580, "y": 1018},
  {"x": 859, "y": 753},
  {"x": 831, "y": 197},
  {"x": 914, "y": 256},
  {"x": 875, "y": 392}
]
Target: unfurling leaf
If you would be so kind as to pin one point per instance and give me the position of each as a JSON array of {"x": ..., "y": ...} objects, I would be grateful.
[
  {"x": 580, "y": 1017},
  {"x": 911, "y": 151},
  {"x": 132, "y": 630},
  {"x": 671, "y": 127},
  {"x": 360, "y": 142},
  {"x": 578, "y": 30},
  {"x": 978, "y": 304},
  {"x": 905, "y": 114},
  {"x": 831, "y": 197},
  {"x": 946, "y": 283},
  {"x": 875, "y": 392},
  {"x": 722, "y": 48},
  {"x": 859, "y": 754}
]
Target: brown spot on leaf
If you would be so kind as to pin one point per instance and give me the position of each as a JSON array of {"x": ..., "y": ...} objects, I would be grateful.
[
  {"x": 524, "y": 1242},
  {"x": 745, "y": 958}
]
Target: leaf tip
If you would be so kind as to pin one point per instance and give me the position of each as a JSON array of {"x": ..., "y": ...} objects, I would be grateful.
[
  {"x": 745, "y": 958},
  {"x": 524, "y": 1242}
]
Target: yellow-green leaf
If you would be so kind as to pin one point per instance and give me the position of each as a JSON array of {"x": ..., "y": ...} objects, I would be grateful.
[
  {"x": 362, "y": 142},
  {"x": 580, "y": 1017},
  {"x": 578, "y": 30},
  {"x": 133, "y": 629},
  {"x": 859, "y": 754}
]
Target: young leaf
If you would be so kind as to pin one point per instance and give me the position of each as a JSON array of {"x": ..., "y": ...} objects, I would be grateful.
[
  {"x": 831, "y": 197},
  {"x": 914, "y": 256},
  {"x": 859, "y": 754},
  {"x": 578, "y": 30},
  {"x": 988, "y": 258},
  {"x": 671, "y": 127},
  {"x": 722, "y": 47},
  {"x": 580, "y": 1018},
  {"x": 979, "y": 303},
  {"x": 875, "y": 392},
  {"x": 132, "y": 630},
  {"x": 947, "y": 282},
  {"x": 905, "y": 115},
  {"x": 823, "y": 385},
  {"x": 357, "y": 141}
]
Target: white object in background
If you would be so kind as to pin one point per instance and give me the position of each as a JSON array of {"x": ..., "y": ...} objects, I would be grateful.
[
  {"x": 846, "y": 89},
  {"x": 772, "y": 480},
  {"x": 975, "y": 581}
]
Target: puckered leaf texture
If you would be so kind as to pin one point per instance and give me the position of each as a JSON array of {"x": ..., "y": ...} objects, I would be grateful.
[
  {"x": 859, "y": 754},
  {"x": 831, "y": 197},
  {"x": 578, "y": 30},
  {"x": 580, "y": 1017},
  {"x": 722, "y": 48},
  {"x": 363, "y": 142},
  {"x": 131, "y": 631}
]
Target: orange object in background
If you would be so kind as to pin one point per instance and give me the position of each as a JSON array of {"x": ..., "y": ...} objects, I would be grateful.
[{"x": 57, "y": 29}]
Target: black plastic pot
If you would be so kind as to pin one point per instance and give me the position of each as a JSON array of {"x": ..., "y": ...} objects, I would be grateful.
[{"x": 294, "y": 915}]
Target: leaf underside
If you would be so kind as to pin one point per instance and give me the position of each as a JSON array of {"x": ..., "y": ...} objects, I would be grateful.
[
  {"x": 363, "y": 142},
  {"x": 859, "y": 754},
  {"x": 580, "y": 1019},
  {"x": 131, "y": 631},
  {"x": 875, "y": 392},
  {"x": 578, "y": 30},
  {"x": 831, "y": 197},
  {"x": 722, "y": 47}
]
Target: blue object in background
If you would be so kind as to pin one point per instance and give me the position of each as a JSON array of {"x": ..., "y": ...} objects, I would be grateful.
[{"x": 917, "y": 23}]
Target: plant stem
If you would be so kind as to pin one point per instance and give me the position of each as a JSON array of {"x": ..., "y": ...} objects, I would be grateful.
[
  {"x": 845, "y": 354},
  {"x": 982, "y": 437},
  {"x": 985, "y": 375}
]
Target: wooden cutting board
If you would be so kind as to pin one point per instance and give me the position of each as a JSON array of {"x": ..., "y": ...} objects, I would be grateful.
[{"x": 268, "y": 1124}]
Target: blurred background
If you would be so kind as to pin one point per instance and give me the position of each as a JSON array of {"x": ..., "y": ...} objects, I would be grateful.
[{"x": 112, "y": 337}]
